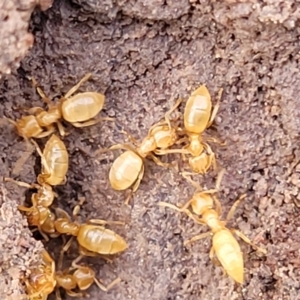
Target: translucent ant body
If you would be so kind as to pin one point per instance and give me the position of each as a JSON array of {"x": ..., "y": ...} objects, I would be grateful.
[
  {"x": 55, "y": 161},
  {"x": 128, "y": 169},
  {"x": 198, "y": 116},
  {"x": 41, "y": 282},
  {"x": 82, "y": 278},
  {"x": 224, "y": 244},
  {"x": 44, "y": 279},
  {"x": 39, "y": 213},
  {"x": 92, "y": 238},
  {"x": 80, "y": 110}
]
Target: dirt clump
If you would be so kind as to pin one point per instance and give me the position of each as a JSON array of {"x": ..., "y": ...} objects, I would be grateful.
[
  {"x": 15, "y": 38},
  {"x": 19, "y": 250}
]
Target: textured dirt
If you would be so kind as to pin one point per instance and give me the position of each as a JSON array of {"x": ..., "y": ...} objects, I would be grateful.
[
  {"x": 143, "y": 55},
  {"x": 15, "y": 38},
  {"x": 19, "y": 250}
]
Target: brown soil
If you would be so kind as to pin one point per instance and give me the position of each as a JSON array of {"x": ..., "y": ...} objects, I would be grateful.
[{"x": 143, "y": 55}]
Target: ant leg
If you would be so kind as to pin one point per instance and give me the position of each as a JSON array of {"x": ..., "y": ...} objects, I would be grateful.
[
  {"x": 76, "y": 87},
  {"x": 187, "y": 176},
  {"x": 50, "y": 129},
  {"x": 248, "y": 241},
  {"x": 128, "y": 198},
  {"x": 159, "y": 162},
  {"x": 182, "y": 140},
  {"x": 107, "y": 288},
  {"x": 186, "y": 205},
  {"x": 11, "y": 121},
  {"x": 216, "y": 108},
  {"x": 218, "y": 206},
  {"x": 122, "y": 146},
  {"x": 62, "y": 214},
  {"x": 135, "y": 186},
  {"x": 197, "y": 237},
  {"x": 208, "y": 149},
  {"x": 103, "y": 222},
  {"x": 196, "y": 185},
  {"x": 165, "y": 204},
  {"x": 75, "y": 262},
  {"x": 62, "y": 253},
  {"x": 61, "y": 128},
  {"x": 91, "y": 122},
  {"x": 49, "y": 260},
  {"x": 75, "y": 294},
  {"x": 171, "y": 151},
  {"x": 46, "y": 238},
  {"x": 219, "y": 179},
  {"x": 130, "y": 137},
  {"x": 185, "y": 151},
  {"x": 234, "y": 207},
  {"x": 213, "y": 258},
  {"x": 169, "y": 112},
  {"x": 39, "y": 151},
  {"x": 183, "y": 209},
  {"x": 214, "y": 140},
  {"x": 35, "y": 110},
  {"x": 23, "y": 184},
  {"x": 57, "y": 293},
  {"x": 25, "y": 208},
  {"x": 213, "y": 161},
  {"x": 84, "y": 252},
  {"x": 41, "y": 93}
]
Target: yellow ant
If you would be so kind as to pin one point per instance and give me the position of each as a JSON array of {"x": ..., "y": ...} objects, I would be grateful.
[
  {"x": 55, "y": 161},
  {"x": 44, "y": 279},
  {"x": 80, "y": 110},
  {"x": 198, "y": 116},
  {"x": 92, "y": 238},
  {"x": 224, "y": 244},
  {"x": 128, "y": 169}
]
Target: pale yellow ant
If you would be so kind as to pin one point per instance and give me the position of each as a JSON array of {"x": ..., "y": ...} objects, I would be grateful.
[
  {"x": 80, "y": 110},
  {"x": 198, "y": 116},
  {"x": 224, "y": 244},
  {"x": 128, "y": 169}
]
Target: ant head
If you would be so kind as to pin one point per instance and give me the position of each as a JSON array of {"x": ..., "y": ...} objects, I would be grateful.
[
  {"x": 84, "y": 277},
  {"x": 201, "y": 202},
  {"x": 27, "y": 123}
]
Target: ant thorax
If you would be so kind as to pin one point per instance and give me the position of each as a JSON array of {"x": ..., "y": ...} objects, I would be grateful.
[
  {"x": 211, "y": 218},
  {"x": 147, "y": 145},
  {"x": 195, "y": 146}
]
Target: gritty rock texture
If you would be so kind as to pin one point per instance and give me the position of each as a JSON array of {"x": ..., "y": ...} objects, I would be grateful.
[
  {"x": 151, "y": 10},
  {"x": 144, "y": 55},
  {"x": 19, "y": 250},
  {"x": 15, "y": 38},
  {"x": 14, "y": 35}
]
